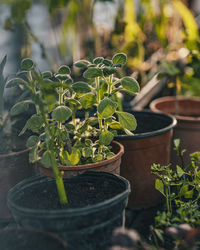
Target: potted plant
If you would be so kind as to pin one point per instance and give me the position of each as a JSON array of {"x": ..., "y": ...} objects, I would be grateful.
[
  {"x": 14, "y": 163},
  {"x": 61, "y": 139},
  {"x": 179, "y": 187}
]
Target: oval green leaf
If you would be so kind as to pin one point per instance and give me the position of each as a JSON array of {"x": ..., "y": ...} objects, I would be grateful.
[
  {"x": 34, "y": 123},
  {"x": 130, "y": 84},
  {"x": 20, "y": 107},
  {"x": 98, "y": 60},
  {"x": 127, "y": 120},
  {"x": 81, "y": 87},
  {"x": 82, "y": 63},
  {"x": 119, "y": 58},
  {"x": 14, "y": 82},
  {"x": 106, "y": 138},
  {"x": 106, "y": 108},
  {"x": 92, "y": 73},
  {"x": 27, "y": 64},
  {"x": 32, "y": 141},
  {"x": 109, "y": 71},
  {"x": 64, "y": 70},
  {"x": 61, "y": 113},
  {"x": 88, "y": 100}
]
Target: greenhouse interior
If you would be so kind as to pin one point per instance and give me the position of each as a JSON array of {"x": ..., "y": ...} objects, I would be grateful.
[{"x": 101, "y": 95}]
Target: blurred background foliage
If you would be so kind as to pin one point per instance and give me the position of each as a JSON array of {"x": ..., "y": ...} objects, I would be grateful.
[{"x": 159, "y": 36}]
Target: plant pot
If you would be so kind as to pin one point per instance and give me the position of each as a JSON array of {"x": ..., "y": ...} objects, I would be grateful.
[
  {"x": 14, "y": 168},
  {"x": 111, "y": 165},
  {"x": 150, "y": 144},
  {"x": 188, "y": 123},
  {"x": 96, "y": 204},
  {"x": 26, "y": 239}
]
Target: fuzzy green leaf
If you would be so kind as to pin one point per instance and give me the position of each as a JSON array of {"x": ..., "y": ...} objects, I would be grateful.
[
  {"x": 46, "y": 159},
  {"x": 86, "y": 152},
  {"x": 32, "y": 141},
  {"x": 27, "y": 64},
  {"x": 119, "y": 58},
  {"x": 127, "y": 120},
  {"x": 81, "y": 87},
  {"x": 107, "y": 62},
  {"x": 73, "y": 158},
  {"x": 88, "y": 100},
  {"x": 64, "y": 70},
  {"x": 106, "y": 138},
  {"x": 34, "y": 123},
  {"x": 61, "y": 113},
  {"x": 47, "y": 74},
  {"x": 130, "y": 84},
  {"x": 109, "y": 71},
  {"x": 92, "y": 73},
  {"x": 98, "y": 60},
  {"x": 180, "y": 171},
  {"x": 15, "y": 82},
  {"x": 159, "y": 186},
  {"x": 82, "y": 63},
  {"x": 20, "y": 107},
  {"x": 106, "y": 108}
]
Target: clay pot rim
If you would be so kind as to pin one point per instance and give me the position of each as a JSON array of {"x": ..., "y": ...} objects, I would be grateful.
[
  {"x": 92, "y": 165},
  {"x": 180, "y": 99},
  {"x": 152, "y": 133},
  {"x": 12, "y": 154},
  {"x": 96, "y": 164}
]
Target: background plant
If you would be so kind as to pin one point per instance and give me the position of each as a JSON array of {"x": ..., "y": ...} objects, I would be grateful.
[{"x": 181, "y": 189}]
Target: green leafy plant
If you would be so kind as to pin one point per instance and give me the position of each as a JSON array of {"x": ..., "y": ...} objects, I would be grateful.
[
  {"x": 181, "y": 189},
  {"x": 60, "y": 136}
]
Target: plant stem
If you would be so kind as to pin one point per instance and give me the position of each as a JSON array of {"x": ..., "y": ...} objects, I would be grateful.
[
  {"x": 58, "y": 176},
  {"x": 59, "y": 180},
  {"x": 110, "y": 84},
  {"x": 98, "y": 100}
]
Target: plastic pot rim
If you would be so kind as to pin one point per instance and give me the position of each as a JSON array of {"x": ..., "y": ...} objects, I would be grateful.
[
  {"x": 68, "y": 211},
  {"x": 152, "y": 133}
]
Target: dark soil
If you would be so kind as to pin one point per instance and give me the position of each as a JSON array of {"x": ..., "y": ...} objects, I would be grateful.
[{"x": 92, "y": 192}]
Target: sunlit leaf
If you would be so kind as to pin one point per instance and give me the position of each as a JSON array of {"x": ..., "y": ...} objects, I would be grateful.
[
  {"x": 88, "y": 100},
  {"x": 106, "y": 138},
  {"x": 130, "y": 84},
  {"x": 106, "y": 108},
  {"x": 119, "y": 58},
  {"x": 159, "y": 186},
  {"x": 92, "y": 73},
  {"x": 127, "y": 120}
]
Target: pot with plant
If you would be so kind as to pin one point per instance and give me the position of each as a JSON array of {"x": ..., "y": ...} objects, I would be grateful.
[
  {"x": 62, "y": 141},
  {"x": 14, "y": 163}
]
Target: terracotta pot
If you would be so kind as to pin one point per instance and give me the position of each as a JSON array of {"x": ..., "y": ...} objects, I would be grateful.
[
  {"x": 150, "y": 144},
  {"x": 111, "y": 165},
  {"x": 14, "y": 167},
  {"x": 188, "y": 123}
]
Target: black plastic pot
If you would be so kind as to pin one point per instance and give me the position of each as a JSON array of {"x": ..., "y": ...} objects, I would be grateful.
[
  {"x": 25, "y": 239},
  {"x": 98, "y": 202}
]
